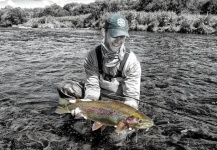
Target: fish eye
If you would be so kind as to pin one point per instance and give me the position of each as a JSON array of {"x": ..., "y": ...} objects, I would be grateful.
[{"x": 139, "y": 121}]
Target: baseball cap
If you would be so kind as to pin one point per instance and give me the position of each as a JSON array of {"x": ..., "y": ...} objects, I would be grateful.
[{"x": 117, "y": 25}]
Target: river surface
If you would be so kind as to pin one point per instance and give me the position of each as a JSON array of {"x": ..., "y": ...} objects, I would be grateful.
[{"x": 179, "y": 73}]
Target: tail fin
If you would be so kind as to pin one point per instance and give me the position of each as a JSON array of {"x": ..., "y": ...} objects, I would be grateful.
[
  {"x": 62, "y": 110},
  {"x": 63, "y": 101}
]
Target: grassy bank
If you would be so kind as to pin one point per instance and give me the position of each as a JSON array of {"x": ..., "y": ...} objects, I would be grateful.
[
  {"x": 80, "y": 21},
  {"x": 160, "y": 21}
]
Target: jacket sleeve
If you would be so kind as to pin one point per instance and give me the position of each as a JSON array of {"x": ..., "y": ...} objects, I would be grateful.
[
  {"x": 92, "y": 89},
  {"x": 132, "y": 81}
]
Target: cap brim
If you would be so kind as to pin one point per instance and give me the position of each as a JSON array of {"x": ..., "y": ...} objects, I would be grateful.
[{"x": 118, "y": 32}]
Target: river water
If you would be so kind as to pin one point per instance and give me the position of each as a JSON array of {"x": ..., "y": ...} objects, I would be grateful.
[{"x": 179, "y": 73}]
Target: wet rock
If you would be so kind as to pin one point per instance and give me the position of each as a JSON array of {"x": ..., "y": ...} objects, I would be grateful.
[
  {"x": 175, "y": 138},
  {"x": 149, "y": 85},
  {"x": 85, "y": 147},
  {"x": 116, "y": 138},
  {"x": 162, "y": 85},
  {"x": 1, "y": 126},
  {"x": 82, "y": 128},
  {"x": 16, "y": 127},
  {"x": 34, "y": 112}
]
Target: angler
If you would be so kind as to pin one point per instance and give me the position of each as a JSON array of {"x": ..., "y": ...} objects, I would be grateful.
[{"x": 110, "y": 66}]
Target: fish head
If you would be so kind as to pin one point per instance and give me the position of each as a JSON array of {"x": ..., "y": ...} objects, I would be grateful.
[
  {"x": 141, "y": 122},
  {"x": 144, "y": 124}
]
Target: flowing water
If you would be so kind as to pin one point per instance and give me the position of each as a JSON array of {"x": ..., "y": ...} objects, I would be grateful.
[{"x": 179, "y": 73}]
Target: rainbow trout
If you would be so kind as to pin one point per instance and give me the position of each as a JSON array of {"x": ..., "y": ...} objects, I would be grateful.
[{"x": 106, "y": 113}]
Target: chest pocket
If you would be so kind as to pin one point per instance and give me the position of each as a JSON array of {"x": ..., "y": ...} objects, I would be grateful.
[{"x": 100, "y": 64}]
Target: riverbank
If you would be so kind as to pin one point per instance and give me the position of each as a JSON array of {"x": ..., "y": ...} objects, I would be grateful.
[{"x": 160, "y": 21}]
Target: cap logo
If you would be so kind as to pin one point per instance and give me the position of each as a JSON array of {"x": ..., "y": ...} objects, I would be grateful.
[{"x": 121, "y": 22}]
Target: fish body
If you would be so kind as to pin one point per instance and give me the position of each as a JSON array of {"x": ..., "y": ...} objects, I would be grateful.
[{"x": 108, "y": 113}]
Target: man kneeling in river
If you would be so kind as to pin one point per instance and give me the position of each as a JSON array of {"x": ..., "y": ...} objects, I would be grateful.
[{"x": 110, "y": 67}]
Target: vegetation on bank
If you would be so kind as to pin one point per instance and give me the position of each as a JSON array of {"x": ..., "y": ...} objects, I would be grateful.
[
  {"x": 186, "y": 16},
  {"x": 139, "y": 21}
]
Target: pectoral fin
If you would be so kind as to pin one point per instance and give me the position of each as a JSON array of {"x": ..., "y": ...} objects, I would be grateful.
[
  {"x": 97, "y": 125},
  {"x": 121, "y": 127}
]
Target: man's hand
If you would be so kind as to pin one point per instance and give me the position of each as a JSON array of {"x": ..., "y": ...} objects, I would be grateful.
[{"x": 74, "y": 100}]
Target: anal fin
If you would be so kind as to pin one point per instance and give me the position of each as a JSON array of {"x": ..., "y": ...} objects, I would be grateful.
[
  {"x": 97, "y": 125},
  {"x": 103, "y": 128}
]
